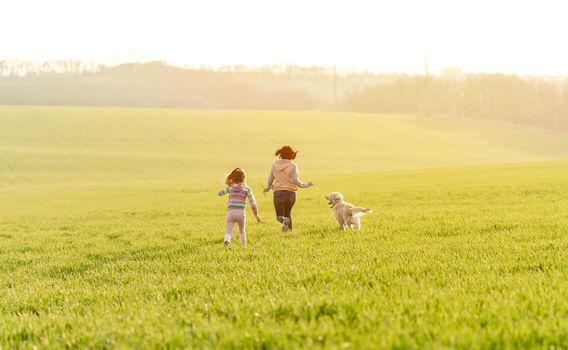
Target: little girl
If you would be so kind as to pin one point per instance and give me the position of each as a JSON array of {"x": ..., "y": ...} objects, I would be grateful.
[{"x": 238, "y": 192}]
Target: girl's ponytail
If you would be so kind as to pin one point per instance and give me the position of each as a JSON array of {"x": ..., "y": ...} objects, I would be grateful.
[{"x": 238, "y": 175}]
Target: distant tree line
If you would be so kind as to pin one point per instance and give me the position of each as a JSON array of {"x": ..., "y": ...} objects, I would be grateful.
[
  {"x": 156, "y": 84},
  {"x": 537, "y": 101},
  {"x": 19, "y": 68}
]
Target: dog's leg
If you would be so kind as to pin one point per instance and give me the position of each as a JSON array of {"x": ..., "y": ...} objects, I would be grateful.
[
  {"x": 349, "y": 222},
  {"x": 341, "y": 223},
  {"x": 357, "y": 221},
  {"x": 346, "y": 223}
]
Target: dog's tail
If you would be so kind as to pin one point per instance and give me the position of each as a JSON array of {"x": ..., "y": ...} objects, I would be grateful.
[{"x": 360, "y": 211}]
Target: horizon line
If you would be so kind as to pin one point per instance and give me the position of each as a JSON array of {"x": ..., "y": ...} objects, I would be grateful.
[{"x": 253, "y": 66}]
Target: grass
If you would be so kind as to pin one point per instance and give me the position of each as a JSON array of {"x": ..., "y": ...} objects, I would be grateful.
[
  {"x": 458, "y": 254},
  {"x": 42, "y": 146}
]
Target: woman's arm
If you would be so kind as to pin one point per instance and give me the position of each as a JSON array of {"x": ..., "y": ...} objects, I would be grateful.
[
  {"x": 269, "y": 182},
  {"x": 296, "y": 178}
]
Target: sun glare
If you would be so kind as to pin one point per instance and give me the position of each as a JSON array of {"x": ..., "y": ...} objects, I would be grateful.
[{"x": 523, "y": 37}]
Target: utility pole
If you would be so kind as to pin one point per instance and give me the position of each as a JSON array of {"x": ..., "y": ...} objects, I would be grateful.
[
  {"x": 334, "y": 87},
  {"x": 427, "y": 99},
  {"x": 130, "y": 56}
]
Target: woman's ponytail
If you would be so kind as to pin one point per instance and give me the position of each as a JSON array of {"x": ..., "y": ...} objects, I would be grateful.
[{"x": 286, "y": 152}]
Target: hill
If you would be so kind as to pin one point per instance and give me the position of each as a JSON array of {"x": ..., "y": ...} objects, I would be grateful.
[{"x": 62, "y": 146}]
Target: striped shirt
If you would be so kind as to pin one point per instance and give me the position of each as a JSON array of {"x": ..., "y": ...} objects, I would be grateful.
[{"x": 238, "y": 193}]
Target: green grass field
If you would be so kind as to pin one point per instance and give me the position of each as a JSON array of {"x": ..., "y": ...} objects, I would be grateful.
[{"x": 111, "y": 232}]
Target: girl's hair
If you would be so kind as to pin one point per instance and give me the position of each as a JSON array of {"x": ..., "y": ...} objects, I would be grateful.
[
  {"x": 286, "y": 152},
  {"x": 236, "y": 176}
]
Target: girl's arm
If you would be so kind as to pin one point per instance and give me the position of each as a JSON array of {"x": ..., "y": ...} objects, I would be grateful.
[
  {"x": 224, "y": 191},
  {"x": 252, "y": 202},
  {"x": 296, "y": 178}
]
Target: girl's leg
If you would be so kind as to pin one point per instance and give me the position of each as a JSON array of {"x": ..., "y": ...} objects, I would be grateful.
[
  {"x": 289, "y": 204},
  {"x": 241, "y": 221},
  {"x": 229, "y": 232},
  {"x": 231, "y": 220}
]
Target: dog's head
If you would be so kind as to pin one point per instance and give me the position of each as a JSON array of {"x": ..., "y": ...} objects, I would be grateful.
[{"x": 334, "y": 198}]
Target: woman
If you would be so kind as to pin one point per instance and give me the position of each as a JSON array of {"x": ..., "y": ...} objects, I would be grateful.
[{"x": 284, "y": 181}]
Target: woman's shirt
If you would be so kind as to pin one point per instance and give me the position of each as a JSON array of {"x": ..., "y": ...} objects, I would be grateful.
[{"x": 284, "y": 176}]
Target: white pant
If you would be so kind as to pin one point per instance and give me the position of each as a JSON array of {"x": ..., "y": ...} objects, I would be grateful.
[{"x": 236, "y": 216}]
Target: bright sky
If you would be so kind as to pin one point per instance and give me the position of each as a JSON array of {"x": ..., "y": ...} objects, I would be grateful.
[{"x": 525, "y": 37}]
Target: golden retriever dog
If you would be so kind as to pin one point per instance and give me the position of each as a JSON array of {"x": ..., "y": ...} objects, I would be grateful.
[{"x": 346, "y": 214}]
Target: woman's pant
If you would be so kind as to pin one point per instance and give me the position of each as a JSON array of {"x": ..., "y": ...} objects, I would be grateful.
[
  {"x": 236, "y": 216},
  {"x": 283, "y": 203}
]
